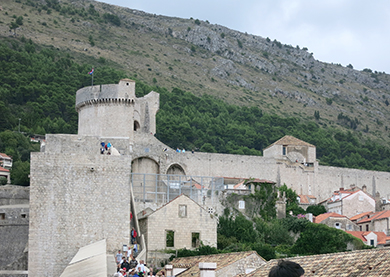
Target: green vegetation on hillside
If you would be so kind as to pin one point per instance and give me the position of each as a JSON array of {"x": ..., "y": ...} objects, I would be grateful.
[{"x": 38, "y": 85}]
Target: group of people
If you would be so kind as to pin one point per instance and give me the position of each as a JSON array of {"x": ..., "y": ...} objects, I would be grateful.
[
  {"x": 128, "y": 266},
  {"x": 105, "y": 147}
]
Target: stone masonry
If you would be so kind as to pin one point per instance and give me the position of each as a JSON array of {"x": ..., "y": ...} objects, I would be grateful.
[{"x": 79, "y": 196}]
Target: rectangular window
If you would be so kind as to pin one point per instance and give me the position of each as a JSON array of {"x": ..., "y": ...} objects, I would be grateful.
[
  {"x": 195, "y": 242},
  {"x": 23, "y": 216},
  {"x": 367, "y": 227},
  {"x": 241, "y": 204},
  {"x": 372, "y": 242},
  {"x": 182, "y": 210},
  {"x": 170, "y": 238},
  {"x": 2, "y": 216},
  {"x": 360, "y": 228},
  {"x": 284, "y": 150}
]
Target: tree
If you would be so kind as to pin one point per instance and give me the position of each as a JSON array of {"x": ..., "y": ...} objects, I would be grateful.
[
  {"x": 19, "y": 20},
  {"x": 316, "y": 209},
  {"x": 329, "y": 101},
  {"x": 292, "y": 200},
  {"x": 239, "y": 43},
  {"x": 317, "y": 115},
  {"x": 321, "y": 239},
  {"x": 14, "y": 26},
  {"x": 91, "y": 41},
  {"x": 208, "y": 147}
]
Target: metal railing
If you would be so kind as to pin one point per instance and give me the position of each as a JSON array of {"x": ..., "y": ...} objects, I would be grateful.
[{"x": 162, "y": 188}]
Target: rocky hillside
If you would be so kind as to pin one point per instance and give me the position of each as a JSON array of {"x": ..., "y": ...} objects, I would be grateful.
[{"x": 200, "y": 57}]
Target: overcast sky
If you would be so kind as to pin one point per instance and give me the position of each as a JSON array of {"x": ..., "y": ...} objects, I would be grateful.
[{"x": 353, "y": 32}]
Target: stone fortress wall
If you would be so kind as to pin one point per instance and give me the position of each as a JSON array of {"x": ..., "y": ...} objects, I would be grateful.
[
  {"x": 79, "y": 196},
  {"x": 14, "y": 220}
]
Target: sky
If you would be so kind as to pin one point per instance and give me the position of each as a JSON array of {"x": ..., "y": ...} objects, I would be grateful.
[{"x": 344, "y": 32}]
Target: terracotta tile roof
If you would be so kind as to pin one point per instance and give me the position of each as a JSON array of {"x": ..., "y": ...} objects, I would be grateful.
[
  {"x": 5, "y": 156},
  {"x": 356, "y": 217},
  {"x": 359, "y": 234},
  {"x": 222, "y": 260},
  {"x": 290, "y": 140},
  {"x": 376, "y": 216},
  {"x": 305, "y": 199},
  {"x": 361, "y": 263},
  {"x": 2, "y": 169},
  {"x": 322, "y": 217},
  {"x": 347, "y": 191},
  {"x": 381, "y": 236}
]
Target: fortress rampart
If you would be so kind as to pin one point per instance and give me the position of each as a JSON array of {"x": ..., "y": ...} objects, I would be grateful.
[{"x": 79, "y": 196}]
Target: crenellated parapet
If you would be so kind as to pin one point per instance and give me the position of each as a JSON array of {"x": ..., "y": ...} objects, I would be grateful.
[{"x": 115, "y": 111}]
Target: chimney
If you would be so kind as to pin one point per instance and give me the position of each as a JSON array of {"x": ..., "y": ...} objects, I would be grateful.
[
  {"x": 207, "y": 269},
  {"x": 169, "y": 270},
  {"x": 341, "y": 189}
]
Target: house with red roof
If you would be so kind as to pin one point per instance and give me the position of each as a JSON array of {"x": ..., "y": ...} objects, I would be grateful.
[
  {"x": 351, "y": 202},
  {"x": 5, "y": 161},
  {"x": 378, "y": 222},
  {"x": 377, "y": 239},
  {"x": 5, "y": 174},
  {"x": 358, "y": 217},
  {"x": 305, "y": 201},
  {"x": 337, "y": 221}
]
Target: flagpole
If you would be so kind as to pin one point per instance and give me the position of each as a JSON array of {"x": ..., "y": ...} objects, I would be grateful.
[{"x": 92, "y": 75}]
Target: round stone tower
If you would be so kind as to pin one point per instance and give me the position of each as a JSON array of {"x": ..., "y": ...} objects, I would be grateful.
[{"x": 113, "y": 111}]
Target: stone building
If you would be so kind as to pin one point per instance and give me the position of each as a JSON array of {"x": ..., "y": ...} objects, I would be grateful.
[
  {"x": 350, "y": 202},
  {"x": 181, "y": 223},
  {"x": 378, "y": 222},
  {"x": 79, "y": 196},
  {"x": 370, "y": 238},
  {"x": 337, "y": 221}
]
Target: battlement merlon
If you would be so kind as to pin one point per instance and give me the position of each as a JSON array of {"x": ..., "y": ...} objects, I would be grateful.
[
  {"x": 115, "y": 111},
  {"x": 124, "y": 92}
]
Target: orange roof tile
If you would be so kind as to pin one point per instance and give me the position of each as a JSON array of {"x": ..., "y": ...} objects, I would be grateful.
[
  {"x": 355, "y": 217},
  {"x": 5, "y": 156},
  {"x": 290, "y": 140},
  {"x": 376, "y": 216},
  {"x": 305, "y": 199},
  {"x": 322, "y": 217},
  {"x": 381, "y": 236},
  {"x": 2, "y": 169},
  {"x": 361, "y": 263},
  {"x": 222, "y": 260},
  {"x": 358, "y": 234}
]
